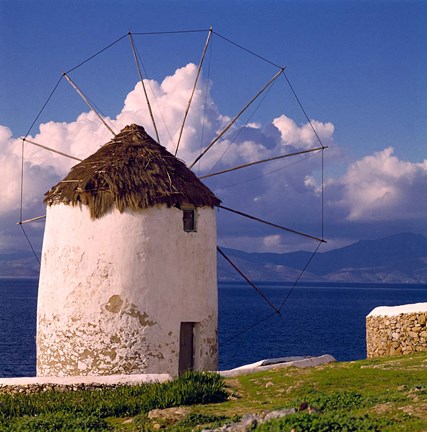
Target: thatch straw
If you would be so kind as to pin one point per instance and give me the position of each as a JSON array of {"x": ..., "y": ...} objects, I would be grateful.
[{"x": 131, "y": 171}]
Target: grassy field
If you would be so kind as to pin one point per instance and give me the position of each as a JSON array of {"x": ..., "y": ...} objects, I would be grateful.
[{"x": 387, "y": 394}]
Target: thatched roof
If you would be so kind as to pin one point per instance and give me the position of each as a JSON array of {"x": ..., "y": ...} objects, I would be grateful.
[{"x": 131, "y": 171}]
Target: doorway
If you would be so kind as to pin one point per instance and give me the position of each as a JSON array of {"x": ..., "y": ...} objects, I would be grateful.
[{"x": 186, "y": 347}]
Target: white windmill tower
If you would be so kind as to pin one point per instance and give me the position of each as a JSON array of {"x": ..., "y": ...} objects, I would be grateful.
[{"x": 128, "y": 273}]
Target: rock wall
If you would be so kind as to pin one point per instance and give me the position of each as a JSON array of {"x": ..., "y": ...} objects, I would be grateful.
[{"x": 396, "y": 330}]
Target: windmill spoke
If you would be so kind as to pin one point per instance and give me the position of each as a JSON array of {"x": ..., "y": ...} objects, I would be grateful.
[
  {"x": 194, "y": 89},
  {"x": 248, "y": 280},
  {"x": 31, "y": 220},
  {"x": 51, "y": 149},
  {"x": 236, "y": 117},
  {"x": 272, "y": 224},
  {"x": 143, "y": 86},
  {"x": 261, "y": 161},
  {"x": 87, "y": 102}
]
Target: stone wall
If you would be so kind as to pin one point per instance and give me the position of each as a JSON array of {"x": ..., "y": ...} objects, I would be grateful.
[
  {"x": 396, "y": 330},
  {"x": 59, "y": 388}
]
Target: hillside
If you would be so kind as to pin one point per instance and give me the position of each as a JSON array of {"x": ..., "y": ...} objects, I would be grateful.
[
  {"x": 18, "y": 264},
  {"x": 400, "y": 258}
]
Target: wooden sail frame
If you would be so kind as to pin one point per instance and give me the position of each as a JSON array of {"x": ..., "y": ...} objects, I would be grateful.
[{"x": 203, "y": 152}]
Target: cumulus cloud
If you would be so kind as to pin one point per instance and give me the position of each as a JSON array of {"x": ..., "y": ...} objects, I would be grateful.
[
  {"x": 303, "y": 136},
  {"x": 36, "y": 178},
  {"x": 381, "y": 187},
  {"x": 286, "y": 192},
  {"x": 169, "y": 100}
]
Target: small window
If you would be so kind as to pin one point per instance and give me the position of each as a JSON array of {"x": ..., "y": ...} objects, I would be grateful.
[{"x": 189, "y": 219}]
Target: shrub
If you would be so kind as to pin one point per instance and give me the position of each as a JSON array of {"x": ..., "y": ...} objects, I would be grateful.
[
  {"x": 58, "y": 421},
  {"x": 95, "y": 405},
  {"x": 328, "y": 422}
]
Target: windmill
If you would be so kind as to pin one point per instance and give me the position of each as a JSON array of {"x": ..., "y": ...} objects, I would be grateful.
[{"x": 131, "y": 299}]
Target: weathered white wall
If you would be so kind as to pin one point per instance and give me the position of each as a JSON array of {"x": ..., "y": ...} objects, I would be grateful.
[{"x": 113, "y": 291}]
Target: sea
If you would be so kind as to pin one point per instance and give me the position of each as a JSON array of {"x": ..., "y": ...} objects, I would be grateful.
[{"x": 314, "y": 319}]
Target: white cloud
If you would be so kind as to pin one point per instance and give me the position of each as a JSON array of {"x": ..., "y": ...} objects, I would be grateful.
[
  {"x": 383, "y": 187},
  {"x": 272, "y": 242},
  {"x": 287, "y": 192},
  {"x": 36, "y": 178},
  {"x": 303, "y": 136},
  {"x": 9, "y": 193},
  {"x": 169, "y": 101}
]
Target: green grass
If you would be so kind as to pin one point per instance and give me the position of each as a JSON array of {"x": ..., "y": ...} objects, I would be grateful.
[
  {"x": 88, "y": 410},
  {"x": 387, "y": 394}
]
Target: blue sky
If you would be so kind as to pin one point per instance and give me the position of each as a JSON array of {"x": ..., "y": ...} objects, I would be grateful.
[
  {"x": 357, "y": 65},
  {"x": 360, "y": 64}
]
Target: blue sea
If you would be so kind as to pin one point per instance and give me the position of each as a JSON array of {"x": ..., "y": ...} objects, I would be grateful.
[{"x": 316, "y": 319}]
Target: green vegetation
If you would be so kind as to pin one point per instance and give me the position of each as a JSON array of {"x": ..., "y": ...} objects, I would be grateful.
[
  {"x": 386, "y": 394},
  {"x": 90, "y": 410}
]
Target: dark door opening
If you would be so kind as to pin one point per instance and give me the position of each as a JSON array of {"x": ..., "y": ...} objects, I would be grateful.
[{"x": 186, "y": 347}]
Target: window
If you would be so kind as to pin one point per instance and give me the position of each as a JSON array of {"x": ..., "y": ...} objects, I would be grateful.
[{"x": 189, "y": 219}]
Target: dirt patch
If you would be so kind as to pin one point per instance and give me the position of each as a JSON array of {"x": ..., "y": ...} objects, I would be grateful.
[
  {"x": 383, "y": 408},
  {"x": 168, "y": 414}
]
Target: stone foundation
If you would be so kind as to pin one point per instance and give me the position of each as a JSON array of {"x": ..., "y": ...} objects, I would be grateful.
[
  {"x": 396, "y": 330},
  {"x": 59, "y": 388},
  {"x": 29, "y": 385}
]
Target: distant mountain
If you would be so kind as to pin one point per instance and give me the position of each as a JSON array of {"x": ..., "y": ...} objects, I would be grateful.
[
  {"x": 400, "y": 258},
  {"x": 18, "y": 264}
]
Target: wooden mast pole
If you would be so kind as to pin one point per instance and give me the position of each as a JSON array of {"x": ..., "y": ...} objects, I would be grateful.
[
  {"x": 51, "y": 149},
  {"x": 199, "y": 69},
  {"x": 31, "y": 220},
  {"x": 143, "y": 86},
  {"x": 235, "y": 118},
  {"x": 263, "y": 161},
  {"x": 87, "y": 102}
]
